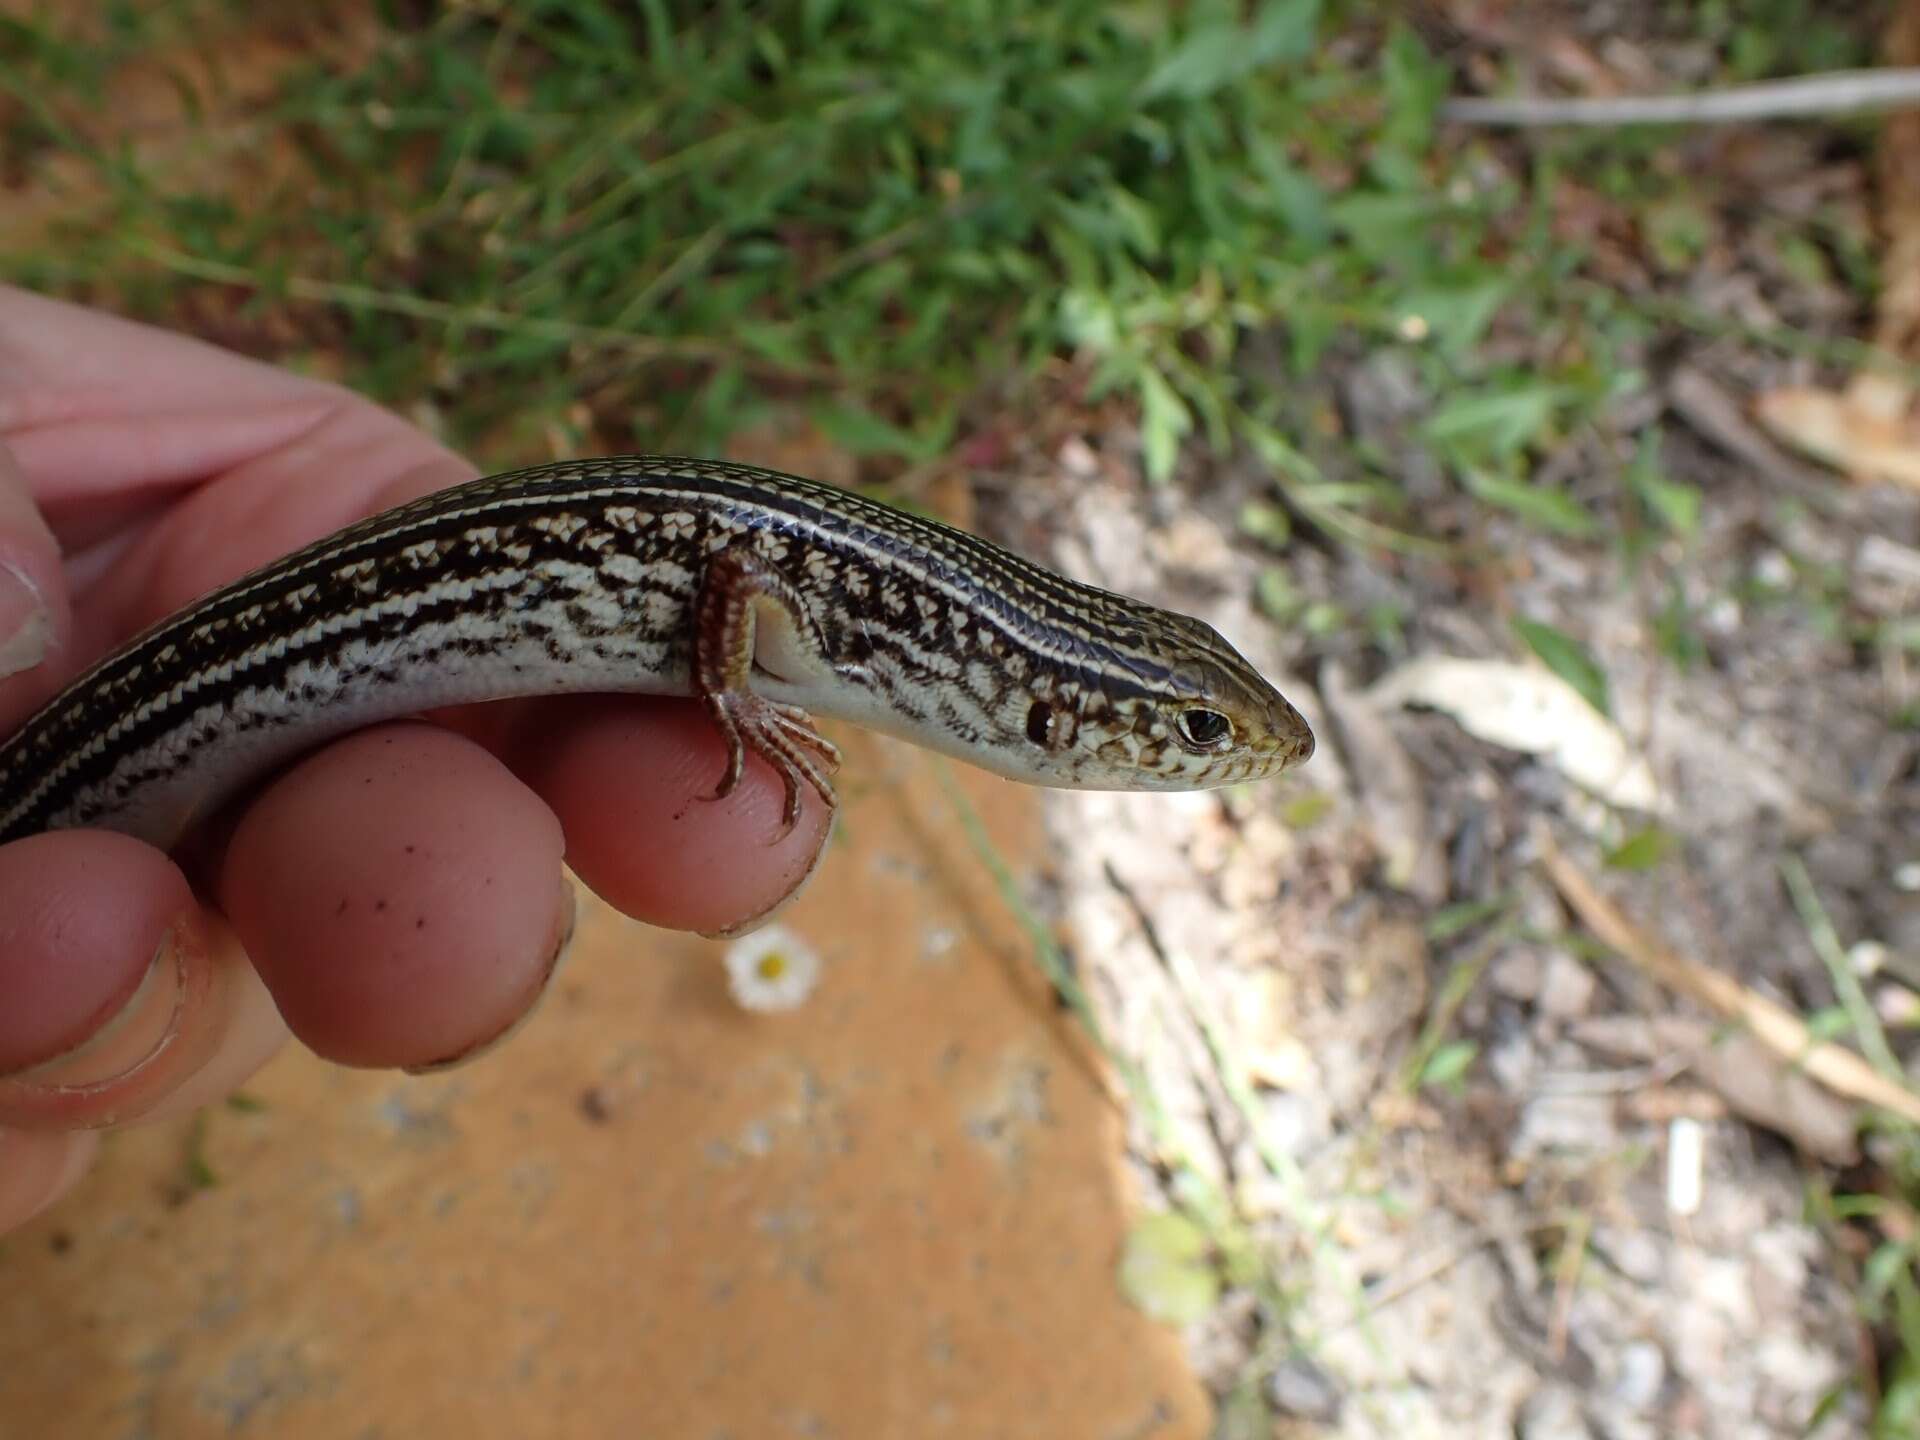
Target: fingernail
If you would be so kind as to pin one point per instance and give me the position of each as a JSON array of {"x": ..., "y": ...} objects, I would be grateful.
[
  {"x": 751, "y": 923},
  {"x": 24, "y": 623},
  {"x": 133, "y": 1039},
  {"x": 36, "y": 1170},
  {"x": 561, "y": 947}
]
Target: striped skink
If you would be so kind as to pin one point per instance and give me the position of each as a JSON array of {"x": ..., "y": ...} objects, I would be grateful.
[{"x": 769, "y": 597}]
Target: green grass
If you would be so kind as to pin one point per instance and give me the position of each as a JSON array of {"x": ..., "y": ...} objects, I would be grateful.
[
  {"x": 687, "y": 218},
  {"x": 663, "y": 223}
]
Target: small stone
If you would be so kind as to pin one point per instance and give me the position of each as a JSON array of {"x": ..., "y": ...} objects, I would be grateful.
[
  {"x": 1514, "y": 1063},
  {"x": 1779, "y": 1259},
  {"x": 1575, "y": 1124},
  {"x": 1517, "y": 975},
  {"x": 1566, "y": 987},
  {"x": 1303, "y": 1390},
  {"x": 1191, "y": 543},
  {"x": 1774, "y": 570},
  {"x": 1634, "y": 1253},
  {"x": 1641, "y": 1374},
  {"x": 1077, "y": 458},
  {"x": 1896, "y": 1005},
  {"x": 1844, "y": 862},
  {"x": 1552, "y": 1413}
]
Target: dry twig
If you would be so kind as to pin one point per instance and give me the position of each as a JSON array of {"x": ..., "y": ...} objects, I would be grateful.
[
  {"x": 1719, "y": 418},
  {"x": 1778, "y": 1028},
  {"x": 1843, "y": 92}
]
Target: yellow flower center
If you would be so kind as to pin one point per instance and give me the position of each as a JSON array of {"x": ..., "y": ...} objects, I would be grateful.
[{"x": 771, "y": 966}]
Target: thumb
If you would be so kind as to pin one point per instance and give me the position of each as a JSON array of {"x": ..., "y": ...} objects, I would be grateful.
[{"x": 35, "y": 616}]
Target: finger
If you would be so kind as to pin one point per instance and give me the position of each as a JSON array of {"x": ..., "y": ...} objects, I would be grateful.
[
  {"x": 125, "y": 1000},
  {"x": 109, "y": 418},
  {"x": 356, "y": 460},
  {"x": 629, "y": 779},
  {"x": 37, "y": 1169},
  {"x": 70, "y": 401},
  {"x": 58, "y": 359},
  {"x": 89, "y": 464},
  {"x": 34, "y": 617},
  {"x": 402, "y": 896}
]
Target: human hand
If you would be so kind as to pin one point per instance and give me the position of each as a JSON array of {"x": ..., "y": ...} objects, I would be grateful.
[{"x": 395, "y": 899}]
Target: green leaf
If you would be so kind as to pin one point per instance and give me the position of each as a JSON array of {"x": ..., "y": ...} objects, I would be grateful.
[
  {"x": 1267, "y": 523},
  {"x": 1306, "y": 811},
  {"x": 196, "y": 1169},
  {"x": 1829, "y": 1023},
  {"x": 1218, "y": 51},
  {"x": 1901, "y": 634},
  {"x": 1898, "y": 1417},
  {"x": 1323, "y": 618},
  {"x": 1453, "y": 919},
  {"x": 1414, "y": 83},
  {"x": 1277, "y": 596},
  {"x": 1500, "y": 422},
  {"x": 778, "y": 343},
  {"x": 1164, "y": 422},
  {"x": 1456, "y": 316},
  {"x": 1391, "y": 229},
  {"x": 1642, "y": 850},
  {"x": 865, "y": 433},
  {"x": 1674, "y": 504},
  {"x": 1678, "y": 232},
  {"x": 1803, "y": 260},
  {"x": 1568, "y": 659},
  {"x": 1674, "y": 632},
  {"x": 1211, "y": 54},
  {"x": 1449, "y": 1063},
  {"x": 1165, "y": 1269},
  {"x": 1877, "y": 1276},
  {"x": 1295, "y": 197},
  {"x": 1285, "y": 31},
  {"x": 1550, "y": 509}
]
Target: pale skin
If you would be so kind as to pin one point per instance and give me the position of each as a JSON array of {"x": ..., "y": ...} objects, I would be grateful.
[{"x": 395, "y": 900}]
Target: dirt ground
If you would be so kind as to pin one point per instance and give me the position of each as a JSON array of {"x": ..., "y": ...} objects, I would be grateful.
[
  {"x": 1504, "y": 1254},
  {"x": 1503, "y": 1259}
]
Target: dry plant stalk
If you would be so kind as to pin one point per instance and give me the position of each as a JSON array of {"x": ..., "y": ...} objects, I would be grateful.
[
  {"x": 1776, "y": 1027},
  {"x": 1898, "y": 166}
]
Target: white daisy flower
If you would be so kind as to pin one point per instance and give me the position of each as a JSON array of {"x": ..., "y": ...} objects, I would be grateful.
[{"x": 772, "y": 969}]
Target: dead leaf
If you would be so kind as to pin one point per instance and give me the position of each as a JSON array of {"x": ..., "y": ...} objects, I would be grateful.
[
  {"x": 1871, "y": 431},
  {"x": 1530, "y": 709},
  {"x": 1573, "y": 62}
]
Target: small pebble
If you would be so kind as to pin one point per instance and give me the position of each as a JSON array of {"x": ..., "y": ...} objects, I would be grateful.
[
  {"x": 1552, "y": 1413},
  {"x": 1643, "y": 1370},
  {"x": 1634, "y": 1253},
  {"x": 1516, "y": 974},
  {"x": 1566, "y": 988},
  {"x": 1303, "y": 1390}
]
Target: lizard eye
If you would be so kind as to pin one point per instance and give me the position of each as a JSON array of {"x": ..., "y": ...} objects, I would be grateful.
[{"x": 1204, "y": 729}]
